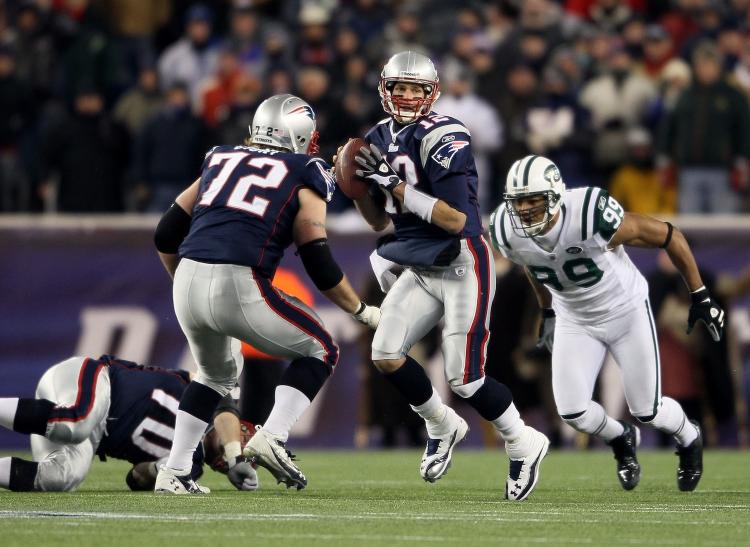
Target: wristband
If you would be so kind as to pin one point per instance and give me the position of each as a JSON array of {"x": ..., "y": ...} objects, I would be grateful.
[
  {"x": 419, "y": 203},
  {"x": 361, "y": 308},
  {"x": 699, "y": 295}
]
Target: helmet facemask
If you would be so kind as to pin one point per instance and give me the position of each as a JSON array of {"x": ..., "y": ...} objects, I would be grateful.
[
  {"x": 405, "y": 110},
  {"x": 523, "y": 221}
]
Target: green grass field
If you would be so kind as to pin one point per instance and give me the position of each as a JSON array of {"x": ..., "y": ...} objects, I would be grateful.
[{"x": 377, "y": 498}]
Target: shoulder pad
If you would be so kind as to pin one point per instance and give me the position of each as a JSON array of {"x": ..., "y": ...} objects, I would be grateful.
[
  {"x": 318, "y": 177},
  {"x": 436, "y": 132},
  {"x": 498, "y": 230}
]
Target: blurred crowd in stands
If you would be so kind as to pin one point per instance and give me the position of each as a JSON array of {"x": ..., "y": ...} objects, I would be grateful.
[{"x": 110, "y": 105}]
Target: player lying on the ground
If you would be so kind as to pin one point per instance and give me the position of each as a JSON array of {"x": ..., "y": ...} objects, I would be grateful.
[
  {"x": 113, "y": 408},
  {"x": 594, "y": 300}
]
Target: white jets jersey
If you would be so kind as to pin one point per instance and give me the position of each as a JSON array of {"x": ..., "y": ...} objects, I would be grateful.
[{"x": 589, "y": 281}]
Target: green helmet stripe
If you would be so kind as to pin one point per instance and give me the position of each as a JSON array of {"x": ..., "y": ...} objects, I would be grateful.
[{"x": 527, "y": 169}]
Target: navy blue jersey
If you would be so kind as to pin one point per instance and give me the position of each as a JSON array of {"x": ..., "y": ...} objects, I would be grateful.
[
  {"x": 142, "y": 411},
  {"x": 247, "y": 203},
  {"x": 433, "y": 154}
]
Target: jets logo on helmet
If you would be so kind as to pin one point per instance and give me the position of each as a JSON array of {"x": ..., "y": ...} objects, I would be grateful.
[{"x": 530, "y": 177}]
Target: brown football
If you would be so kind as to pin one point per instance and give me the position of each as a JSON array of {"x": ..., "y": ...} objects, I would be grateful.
[{"x": 352, "y": 186}]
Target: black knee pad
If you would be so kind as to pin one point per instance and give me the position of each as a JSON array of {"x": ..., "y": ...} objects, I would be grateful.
[
  {"x": 491, "y": 400},
  {"x": 200, "y": 401},
  {"x": 307, "y": 374},
  {"x": 572, "y": 416},
  {"x": 32, "y": 416}
]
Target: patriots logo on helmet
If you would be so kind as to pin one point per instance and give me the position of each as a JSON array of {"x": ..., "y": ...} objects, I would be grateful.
[
  {"x": 304, "y": 109},
  {"x": 445, "y": 153}
]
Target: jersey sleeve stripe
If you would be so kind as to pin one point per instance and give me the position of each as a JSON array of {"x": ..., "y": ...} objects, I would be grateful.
[
  {"x": 433, "y": 137},
  {"x": 493, "y": 228},
  {"x": 527, "y": 169},
  {"x": 584, "y": 224},
  {"x": 502, "y": 230}
]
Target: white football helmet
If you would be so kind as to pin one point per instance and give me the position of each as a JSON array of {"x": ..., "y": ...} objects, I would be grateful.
[
  {"x": 412, "y": 67},
  {"x": 533, "y": 176},
  {"x": 285, "y": 121}
]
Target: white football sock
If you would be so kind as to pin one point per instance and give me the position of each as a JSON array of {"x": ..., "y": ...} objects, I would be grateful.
[
  {"x": 289, "y": 405},
  {"x": 5, "y": 472},
  {"x": 436, "y": 415},
  {"x": 671, "y": 419},
  {"x": 509, "y": 424},
  {"x": 188, "y": 432},
  {"x": 8, "y": 407}
]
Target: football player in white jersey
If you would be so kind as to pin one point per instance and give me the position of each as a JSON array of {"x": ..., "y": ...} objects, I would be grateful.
[{"x": 594, "y": 301}]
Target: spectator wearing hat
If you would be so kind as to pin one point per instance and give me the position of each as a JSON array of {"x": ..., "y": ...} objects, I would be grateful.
[
  {"x": 314, "y": 46},
  {"x": 706, "y": 139},
  {"x": 245, "y": 40},
  {"x": 136, "y": 106},
  {"x": 558, "y": 128},
  {"x": 16, "y": 119},
  {"x": 35, "y": 51},
  {"x": 481, "y": 119},
  {"x": 635, "y": 184},
  {"x": 87, "y": 153},
  {"x": 617, "y": 100},
  {"x": 169, "y": 151},
  {"x": 657, "y": 52},
  {"x": 194, "y": 57}
]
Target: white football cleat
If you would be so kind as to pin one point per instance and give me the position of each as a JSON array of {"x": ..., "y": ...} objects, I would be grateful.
[
  {"x": 269, "y": 451},
  {"x": 524, "y": 469},
  {"x": 437, "y": 455},
  {"x": 168, "y": 482}
]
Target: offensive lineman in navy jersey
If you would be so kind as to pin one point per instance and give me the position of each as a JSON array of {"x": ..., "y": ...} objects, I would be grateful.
[
  {"x": 115, "y": 409},
  {"x": 423, "y": 179},
  {"x": 250, "y": 203}
]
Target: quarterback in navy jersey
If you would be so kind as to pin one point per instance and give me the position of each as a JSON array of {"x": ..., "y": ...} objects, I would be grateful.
[
  {"x": 114, "y": 409},
  {"x": 221, "y": 242},
  {"x": 423, "y": 179}
]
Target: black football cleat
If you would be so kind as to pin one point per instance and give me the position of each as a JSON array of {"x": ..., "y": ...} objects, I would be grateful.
[
  {"x": 628, "y": 468},
  {"x": 691, "y": 463}
]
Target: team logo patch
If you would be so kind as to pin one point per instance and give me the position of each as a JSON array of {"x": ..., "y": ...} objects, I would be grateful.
[
  {"x": 330, "y": 181},
  {"x": 445, "y": 153},
  {"x": 393, "y": 147},
  {"x": 304, "y": 109},
  {"x": 448, "y": 138},
  {"x": 602, "y": 203},
  {"x": 552, "y": 174},
  {"x": 461, "y": 271},
  {"x": 573, "y": 250}
]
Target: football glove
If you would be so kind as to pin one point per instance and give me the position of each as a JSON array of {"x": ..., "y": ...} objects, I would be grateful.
[
  {"x": 546, "y": 330},
  {"x": 375, "y": 168},
  {"x": 705, "y": 309},
  {"x": 368, "y": 315},
  {"x": 242, "y": 475}
]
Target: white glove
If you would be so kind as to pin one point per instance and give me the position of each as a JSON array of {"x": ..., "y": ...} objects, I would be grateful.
[
  {"x": 368, "y": 315},
  {"x": 242, "y": 475}
]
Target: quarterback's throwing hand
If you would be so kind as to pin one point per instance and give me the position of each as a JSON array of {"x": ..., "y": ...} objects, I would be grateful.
[
  {"x": 705, "y": 309},
  {"x": 547, "y": 330},
  {"x": 375, "y": 168},
  {"x": 368, "y": 315}
]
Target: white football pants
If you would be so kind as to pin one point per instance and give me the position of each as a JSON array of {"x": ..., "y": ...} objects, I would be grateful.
[{"x": 81, "y": 389}]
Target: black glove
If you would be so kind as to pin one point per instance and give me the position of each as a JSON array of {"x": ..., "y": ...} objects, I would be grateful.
[
  {"x": 704, "y": 308},
  {"x": 547, "y": 330},
  {"x": 375, "y": 168}
]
